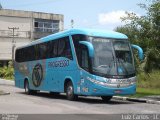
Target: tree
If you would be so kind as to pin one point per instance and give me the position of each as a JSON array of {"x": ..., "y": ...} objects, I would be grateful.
[{"x": 145, "y": 31}]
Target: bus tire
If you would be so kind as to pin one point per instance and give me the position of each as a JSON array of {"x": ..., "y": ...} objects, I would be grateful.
[
  {"x": 28, "y": 91},
  {"x": 106, "y": 98},
  {"x": 70, "y": 92}
]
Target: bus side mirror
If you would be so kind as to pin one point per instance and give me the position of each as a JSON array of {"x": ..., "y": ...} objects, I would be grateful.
[
  {"x": 140, "y": 51},
  {"x": 89, "y": 46}
]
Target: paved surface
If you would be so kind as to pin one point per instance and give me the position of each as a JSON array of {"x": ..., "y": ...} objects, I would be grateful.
[{"x": 43, "y": 103}]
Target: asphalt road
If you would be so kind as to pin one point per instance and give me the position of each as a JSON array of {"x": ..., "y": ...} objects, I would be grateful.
[{"x": 43, "y": 103}]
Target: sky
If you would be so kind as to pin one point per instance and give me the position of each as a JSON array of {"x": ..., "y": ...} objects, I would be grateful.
[{"x": 98, "y": 14}]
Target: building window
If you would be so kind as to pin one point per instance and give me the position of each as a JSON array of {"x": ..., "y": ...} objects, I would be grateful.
[
  {"x": 35, "y": 24},
  {"x": 41, "y": 25}
]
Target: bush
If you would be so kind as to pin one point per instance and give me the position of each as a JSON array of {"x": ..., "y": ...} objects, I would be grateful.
[
  {"x": 149, "y": 80},
  {"x": 7, "y": 72},
  {"x": 152, "y": 61}
]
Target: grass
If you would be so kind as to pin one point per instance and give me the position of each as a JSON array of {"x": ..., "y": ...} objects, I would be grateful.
[
  {"x": 149, "y": 80},
  {"x": 148, "y": 84},
  {"x": 142, "y": 92}
]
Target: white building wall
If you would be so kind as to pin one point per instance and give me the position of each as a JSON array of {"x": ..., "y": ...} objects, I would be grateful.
[
  {"x": 24, "y": 24},
  {"x": 6, "y": 46},
  {"x": 23, "y": 34},
  {"x": 24, "y": 20}
]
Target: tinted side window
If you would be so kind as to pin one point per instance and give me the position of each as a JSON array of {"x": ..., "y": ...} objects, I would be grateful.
[
  {"x": 77, "y": 38},
  {"x": 77, "y": 46},
  {"x": 29, "y": 53},
  {"x": 26, "y": 54},
  {"x": 55, "y": 48},
  {"x": 42, "y": 48},
  {"x": 64, "y": 48},
  {"x": 18, "y": 55},
  {"x": 52, "y": 49}
]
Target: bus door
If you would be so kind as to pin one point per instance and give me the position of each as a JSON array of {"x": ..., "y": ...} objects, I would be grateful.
[{"x": 83, "y": 59}]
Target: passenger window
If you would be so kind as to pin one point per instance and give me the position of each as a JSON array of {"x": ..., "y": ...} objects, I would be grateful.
[
  {"x": 61, "y": 47},
  {"x": 42, "y": 51},
  {"x": 52, "y": 49},
  {"x": 55, "y": 48},
  {"x": 82, "y": 52},
  {"x": 64, "y": 48}
]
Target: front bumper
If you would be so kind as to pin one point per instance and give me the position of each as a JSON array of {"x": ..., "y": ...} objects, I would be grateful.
[{"x": 98, "y": 90}]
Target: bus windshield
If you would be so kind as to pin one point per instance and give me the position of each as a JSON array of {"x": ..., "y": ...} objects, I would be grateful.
[{"x": 112, "y": 57}]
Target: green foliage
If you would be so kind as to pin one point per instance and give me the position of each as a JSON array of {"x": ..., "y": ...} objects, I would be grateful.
[
  {"x": 142, "y": 92},
  {"x": 7, "y": 72},
  {"x": 152, "y": 60},
  {"x": 145, "y": 32},
  {"x": 149, "y": 80}
]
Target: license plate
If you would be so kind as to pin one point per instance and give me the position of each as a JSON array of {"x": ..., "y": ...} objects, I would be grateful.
[
  {"x": 117, "y": 91},
  {"x": 122, "y": 81}
]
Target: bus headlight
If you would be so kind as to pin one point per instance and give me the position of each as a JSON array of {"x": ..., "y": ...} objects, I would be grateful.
[
  {"x": 133, "y": 80},
  {"x": 96, "y": 81}
]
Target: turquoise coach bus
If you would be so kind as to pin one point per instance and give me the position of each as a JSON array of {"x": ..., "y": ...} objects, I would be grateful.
[{"x": 78, "y": 62}]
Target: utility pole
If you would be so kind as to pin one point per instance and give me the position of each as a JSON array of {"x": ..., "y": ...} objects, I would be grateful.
[
  {"x": 13, "y": 41},
  {"x": 72, "y": 23}
]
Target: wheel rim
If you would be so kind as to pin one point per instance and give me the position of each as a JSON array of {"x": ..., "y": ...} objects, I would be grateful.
[
  {"x": 26, "y": 88},
  {"x": 70, "y": 90}
]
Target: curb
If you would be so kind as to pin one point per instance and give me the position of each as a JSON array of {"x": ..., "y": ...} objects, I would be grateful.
[
  {"x": 137, "y": 100},
  {"x": 6, "y": 82},
  {"x": 4, "y": 93},
  {"x": 153, "y": 102}
]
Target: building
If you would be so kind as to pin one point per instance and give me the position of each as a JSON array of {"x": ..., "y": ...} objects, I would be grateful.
[{"x": 21, "y": 27}]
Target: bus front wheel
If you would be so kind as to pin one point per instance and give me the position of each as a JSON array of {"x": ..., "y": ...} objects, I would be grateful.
[
  {"x": 106, "y": 98},
  {"x": 70, "y": 92}
]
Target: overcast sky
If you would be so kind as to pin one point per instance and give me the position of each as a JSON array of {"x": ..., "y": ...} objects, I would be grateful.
[{"x": 101, "y": 14}]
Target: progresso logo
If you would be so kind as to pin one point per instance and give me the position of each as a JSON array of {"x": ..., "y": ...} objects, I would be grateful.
[{"x": 37, "y": 75}]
